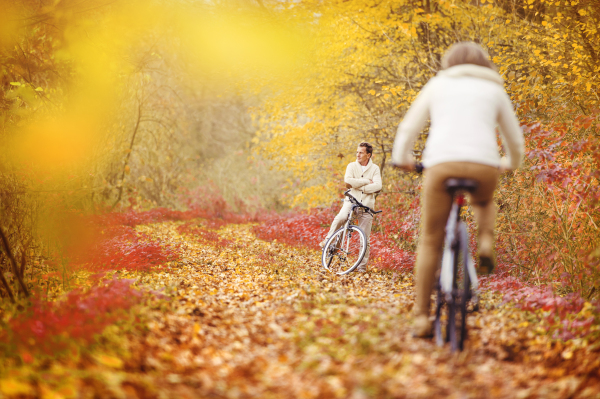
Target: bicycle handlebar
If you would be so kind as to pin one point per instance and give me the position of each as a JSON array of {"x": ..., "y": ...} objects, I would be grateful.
[{"x": 357, "y": 203}]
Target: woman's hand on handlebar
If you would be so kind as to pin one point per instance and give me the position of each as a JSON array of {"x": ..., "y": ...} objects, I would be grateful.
[
  {"x": 413, "y": 167},
  {"x": 409, "y": 164},
  {"x": 408, "y": 167}
]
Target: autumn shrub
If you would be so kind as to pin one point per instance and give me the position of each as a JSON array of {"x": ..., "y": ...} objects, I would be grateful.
[
  {"x": 299, "y": 228},
  {"x": 54, "y": 328},
  {"x": 401, "y": 214},
  {"x": 564, "y": 316},
  {"x": 548, "y": 210}
]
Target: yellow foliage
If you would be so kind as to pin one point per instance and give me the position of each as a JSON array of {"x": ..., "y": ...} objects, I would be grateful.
[{"x": 370, "y": 60}]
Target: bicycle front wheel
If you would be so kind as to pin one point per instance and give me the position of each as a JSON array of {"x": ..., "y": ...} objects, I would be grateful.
[{"x": 344, "y": 251}]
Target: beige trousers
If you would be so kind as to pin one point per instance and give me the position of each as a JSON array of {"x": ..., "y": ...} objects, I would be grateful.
[
  {"x": 364, "y": 221},
  {"x": 435, "y": 209}
]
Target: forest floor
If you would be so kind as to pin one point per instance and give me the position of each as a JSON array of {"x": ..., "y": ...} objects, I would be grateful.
[{"x": 240, "y": 317}]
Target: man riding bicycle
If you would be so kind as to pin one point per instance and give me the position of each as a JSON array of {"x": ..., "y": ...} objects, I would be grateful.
[
  {"x": 364, "y": 179},
  {"x": 464, "y": 102}
]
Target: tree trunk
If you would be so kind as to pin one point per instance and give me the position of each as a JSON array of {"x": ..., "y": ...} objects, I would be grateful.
[{"x": 13, "y": 262}]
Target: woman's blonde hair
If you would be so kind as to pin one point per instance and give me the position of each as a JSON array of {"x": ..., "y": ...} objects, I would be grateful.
[{"x": 466, "y": 53}]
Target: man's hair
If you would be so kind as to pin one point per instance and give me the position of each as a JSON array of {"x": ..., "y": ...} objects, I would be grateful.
[
  {"x": 466, "y": 53},
  {"x": 368, "y": 146}
]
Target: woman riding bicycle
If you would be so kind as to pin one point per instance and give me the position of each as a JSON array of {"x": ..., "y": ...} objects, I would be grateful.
[{"x": 465, "y": 102}]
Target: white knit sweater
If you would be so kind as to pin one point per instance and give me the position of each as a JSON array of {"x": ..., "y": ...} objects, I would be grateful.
[
  {"x": 464, "y": 103},
  {"x": 360, "y": 180}
]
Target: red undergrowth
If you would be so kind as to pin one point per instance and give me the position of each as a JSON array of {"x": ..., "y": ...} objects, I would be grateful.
[
  {"x": 308, "y": 228},
  {"x": 52, "y": 328}
]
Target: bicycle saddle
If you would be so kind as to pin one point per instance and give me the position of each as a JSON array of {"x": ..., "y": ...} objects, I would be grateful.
[{"x": 454, "y": 184}]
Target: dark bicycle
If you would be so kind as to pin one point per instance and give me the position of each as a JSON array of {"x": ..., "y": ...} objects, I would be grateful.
[
  {"x": 457, "y": 285},
  {"x": 346, "y": 248}
]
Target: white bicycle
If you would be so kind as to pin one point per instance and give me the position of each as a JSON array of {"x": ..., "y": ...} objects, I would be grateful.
[{"x": 346, "y": 248}]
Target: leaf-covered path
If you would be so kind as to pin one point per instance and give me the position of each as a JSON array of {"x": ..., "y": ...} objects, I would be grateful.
[{"x": 256, "y": 319}]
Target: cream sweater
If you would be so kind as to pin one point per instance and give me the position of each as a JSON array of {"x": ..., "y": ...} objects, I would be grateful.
[
  {"x": 464, "y": 103},
  {"x": 362, "y": 188}
]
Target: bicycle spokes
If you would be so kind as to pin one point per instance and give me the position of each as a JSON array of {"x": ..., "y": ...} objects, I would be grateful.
[{"x": 344, "y": 250}]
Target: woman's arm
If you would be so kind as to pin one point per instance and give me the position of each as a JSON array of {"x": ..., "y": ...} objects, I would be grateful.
[
  {"x": 511, "y": 132},
  {"x": 411, "y": 125}
]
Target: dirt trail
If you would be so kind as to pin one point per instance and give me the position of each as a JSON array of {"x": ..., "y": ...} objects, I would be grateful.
[{"x": 260, "y": 319}]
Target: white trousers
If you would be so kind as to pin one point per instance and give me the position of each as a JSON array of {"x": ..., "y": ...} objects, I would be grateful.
[{"x": 364, "y": 221}]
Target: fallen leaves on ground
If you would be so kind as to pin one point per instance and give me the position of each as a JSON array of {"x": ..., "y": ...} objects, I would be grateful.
[{"x": 240, "y": 317}]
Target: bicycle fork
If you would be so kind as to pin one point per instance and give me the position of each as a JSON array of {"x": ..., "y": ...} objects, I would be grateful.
[{"x": 346, "y": 232}]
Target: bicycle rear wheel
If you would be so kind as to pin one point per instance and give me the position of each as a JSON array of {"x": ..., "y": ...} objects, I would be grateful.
[
  {"x": 464, "y": 300},
  {"x": 464, "y": 292},
  {"x": 461, "y": 292},
  {"x": 439, "y": 310},
  {"x": 344, "y": 250}
]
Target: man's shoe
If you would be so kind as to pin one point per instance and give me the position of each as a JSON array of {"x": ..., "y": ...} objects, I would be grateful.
[
  {"x": 422, "y": 327},
  {"x": 486, "y": 265},
  {"x": 322, "y": 243},
  {"x": 361, "y": 270}
]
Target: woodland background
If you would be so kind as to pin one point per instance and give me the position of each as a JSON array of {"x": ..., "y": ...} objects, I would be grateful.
[{"x": 254, "y": 108}]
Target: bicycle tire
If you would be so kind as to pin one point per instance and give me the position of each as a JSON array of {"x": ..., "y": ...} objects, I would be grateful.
[
  {"x": 437, "y": 323},
  {"x": 465, "y": 292},
  {"x": 444, "y": 328},
  {"x": 454, "y": 294},
  {"x": 454, "y": 305},
  {"x": 451, "y": 326},
  {"x": 464, "y": 300},
  {"x": 343, "y": 252},
  {"x": 326, "y": 262}
]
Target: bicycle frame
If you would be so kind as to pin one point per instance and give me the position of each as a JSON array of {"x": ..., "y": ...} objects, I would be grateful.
[
  {"x": 455, "y": 233},
  {"x": 342, "y": 247},
  {"x": 346, "y": 225},
  {"x": 450, "y": 295}
]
